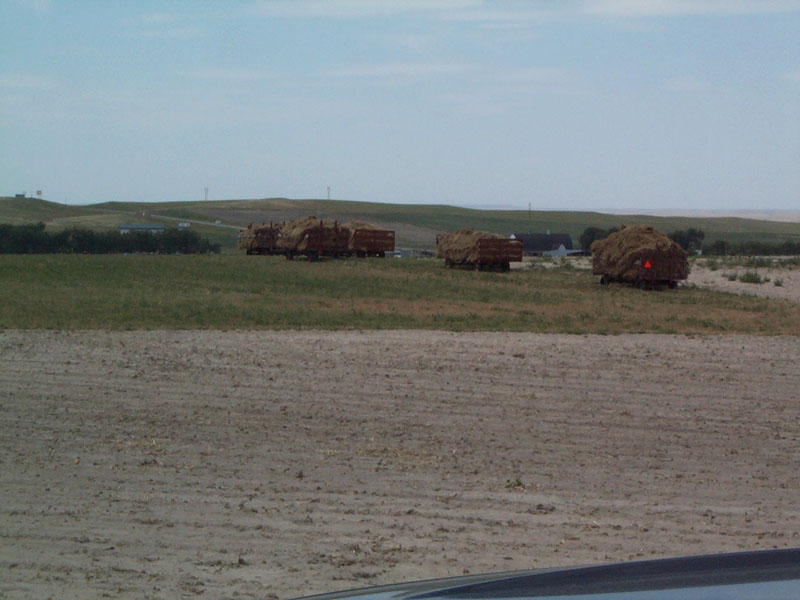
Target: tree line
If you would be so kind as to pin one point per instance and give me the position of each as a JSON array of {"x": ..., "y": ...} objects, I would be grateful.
[
  {"x": 33, "y": 239},
  {"x": 752, "y": 248},
  {"x": 691, "y": 240}
]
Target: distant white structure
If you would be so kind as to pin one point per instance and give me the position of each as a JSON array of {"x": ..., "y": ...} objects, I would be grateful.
[
  {"x": 560, "y": 251},
  {"x": 148, "y": 227},
  {"x": 184, "y": 225}
]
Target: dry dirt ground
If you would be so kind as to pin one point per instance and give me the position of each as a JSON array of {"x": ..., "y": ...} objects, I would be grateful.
[
  {"x": 275, "y": 464},
  {"x": 702, "y": 276}
]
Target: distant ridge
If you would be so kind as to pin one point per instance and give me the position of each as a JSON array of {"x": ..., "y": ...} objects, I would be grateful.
[
  {"x": 778, "y": 216},
  {"x": 416, "y": 225}
]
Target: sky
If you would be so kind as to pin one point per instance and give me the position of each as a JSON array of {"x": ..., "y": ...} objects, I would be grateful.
[{"x": 636, "y": 105}]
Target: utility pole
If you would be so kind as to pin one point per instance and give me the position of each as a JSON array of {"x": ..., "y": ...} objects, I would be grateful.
[
  {"x": 329, "y": 192},
  {"x": 206, "y": 194}
]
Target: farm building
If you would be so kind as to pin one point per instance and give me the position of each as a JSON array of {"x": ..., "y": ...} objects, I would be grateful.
[
  {"x": 543, "y": 243},
  {"x": 148, "y": 227}
]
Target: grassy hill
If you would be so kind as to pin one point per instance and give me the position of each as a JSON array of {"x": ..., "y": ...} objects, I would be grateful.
[{"x": 416, "y": 225}]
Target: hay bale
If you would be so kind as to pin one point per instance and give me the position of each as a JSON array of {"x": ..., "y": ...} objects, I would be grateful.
[
  {"x": 462, "y": 246},
  {"x": 620, "y": 253},
  {"x": 366, "y": 238},
  {"x": 353, "y": 225},
  {"x": 246, "y": 238},
  {"x": 312, "y": 234},
  {"x": 259, "y": 238}
]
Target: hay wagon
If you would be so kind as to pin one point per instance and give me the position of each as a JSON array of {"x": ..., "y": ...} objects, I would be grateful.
[
  {"x": 470, "y": 249},
  {"x": 371, "y": 242},
  {"x": 260, "y": 239},
  {"x": 323, "y": 238},
  {"x": 641, "y": 256}
]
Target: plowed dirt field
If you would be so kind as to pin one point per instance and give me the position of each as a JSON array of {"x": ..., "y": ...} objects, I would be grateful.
[{"x": 275, "y": 464}]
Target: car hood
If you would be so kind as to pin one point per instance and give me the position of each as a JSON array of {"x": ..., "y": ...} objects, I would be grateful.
[{"x": 767, "y": 574}]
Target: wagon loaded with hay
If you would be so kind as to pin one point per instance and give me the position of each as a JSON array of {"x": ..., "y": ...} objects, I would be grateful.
[
  {"x": 473, "y": 249},
  {"x": 640, "y": 255},
  {"x": 312, "y": 237},
  {"x": 366, "y": 239},
  {"x": 260, "y": 239}
]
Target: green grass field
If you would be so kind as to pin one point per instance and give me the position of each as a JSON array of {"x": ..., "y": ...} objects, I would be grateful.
[{"x": 249, "y": 292}]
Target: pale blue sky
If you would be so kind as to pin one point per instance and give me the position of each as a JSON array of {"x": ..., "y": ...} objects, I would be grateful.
[{"x": 594, "y": 104}]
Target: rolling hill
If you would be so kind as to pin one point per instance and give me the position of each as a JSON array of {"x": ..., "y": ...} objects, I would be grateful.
[{"x": 416, "y": 225}]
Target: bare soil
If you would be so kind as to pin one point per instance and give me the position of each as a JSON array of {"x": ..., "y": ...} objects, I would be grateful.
[
  {"x": 789, "y": 278},
  {"x": 275, "y": 464}
]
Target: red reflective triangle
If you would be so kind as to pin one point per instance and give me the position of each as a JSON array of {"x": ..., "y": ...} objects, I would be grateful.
[{"x": 647, "y": 265}]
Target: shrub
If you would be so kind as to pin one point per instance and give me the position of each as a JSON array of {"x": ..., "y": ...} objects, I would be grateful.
[
  {"x": 751, "y": 277},
  {"x": 755, "y": 262}
]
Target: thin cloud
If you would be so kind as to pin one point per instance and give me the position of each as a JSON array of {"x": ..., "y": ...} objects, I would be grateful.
[
  {"x": 399, "y": 71},
  {"x": 171, "y": 33},
  {"x": 534, "y": 76},
  {"x": 353, "y": 8},
  {"x": 228, "y": 75},
  {"x": 40, "y": 6},
  {"x": 685, "y": 84},
  {"x": 508, "y": 16},
  {"x": 160, "y": 18},
  {"x": 510, "y": 90},
  {"x": 514, "y": 14},
  {"x": 410, "y": 41},
  {"x": 167, "y": 25},
  {"x": 24, "y": 81},
  {"x": 670, "y": 8}
]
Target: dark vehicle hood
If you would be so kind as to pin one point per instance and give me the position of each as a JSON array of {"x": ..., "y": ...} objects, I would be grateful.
[{"x": 766, "y": 574}]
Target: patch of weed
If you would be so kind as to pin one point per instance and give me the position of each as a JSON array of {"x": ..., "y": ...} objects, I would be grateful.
[{"x": 751, "y": 277}]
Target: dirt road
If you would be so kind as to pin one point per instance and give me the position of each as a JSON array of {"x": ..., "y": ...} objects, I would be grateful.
[{"x": 264, "y": 464}]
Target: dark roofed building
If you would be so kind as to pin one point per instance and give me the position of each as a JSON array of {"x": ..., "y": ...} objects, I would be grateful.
[{"x": 536, "y": 243}]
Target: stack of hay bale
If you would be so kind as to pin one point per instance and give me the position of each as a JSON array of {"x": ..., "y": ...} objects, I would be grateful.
[
  {"x": 477, "y": 249},
  {"x": 313, "y": 236},
  {"x": 259, "y": 239},
  {"x": 621, "y": 256}
]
